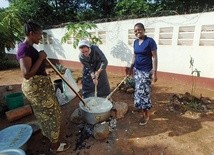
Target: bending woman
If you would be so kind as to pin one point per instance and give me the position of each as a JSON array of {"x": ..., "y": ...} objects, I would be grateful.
[
  {"x": 94, "y": 69},
  {"x": 38, "y": 88}
]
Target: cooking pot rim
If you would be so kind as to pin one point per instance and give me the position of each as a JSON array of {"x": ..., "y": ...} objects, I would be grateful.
[{"x": 88, "y": 99}]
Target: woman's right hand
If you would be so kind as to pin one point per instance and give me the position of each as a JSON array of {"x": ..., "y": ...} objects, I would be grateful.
[
  {"x": 42, "y": 55},
  {"x": 95, "y": 81}
]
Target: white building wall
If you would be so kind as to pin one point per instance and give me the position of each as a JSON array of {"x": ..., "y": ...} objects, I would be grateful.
[{"x": 177, "y": 37}]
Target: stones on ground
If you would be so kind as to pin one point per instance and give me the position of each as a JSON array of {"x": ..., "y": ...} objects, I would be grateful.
[
  {"x": 191, "y": 114},
  {"x": 76, "y": 116},
  {"x": 101, "y": 131},
  {"x": 206, "y": 100},
  {"x": 119, "y": 109},
  {"x": 204, "y": 107},
  {"x": 183, "y": 102},
  {"x": 112, "y": 124}
]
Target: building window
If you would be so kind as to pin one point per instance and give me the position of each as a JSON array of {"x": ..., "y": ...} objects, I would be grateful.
[
  {"x": 207, "y": 35},
  {"x": 165, "y": 36},
  {"x": 186, "y": 35}
]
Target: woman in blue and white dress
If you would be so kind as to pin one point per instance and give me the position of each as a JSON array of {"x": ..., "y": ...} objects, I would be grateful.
[{"x": 144, "y": 65}]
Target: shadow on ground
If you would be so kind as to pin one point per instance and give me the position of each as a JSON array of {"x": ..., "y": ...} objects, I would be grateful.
[{"x": 123, "y": 139}]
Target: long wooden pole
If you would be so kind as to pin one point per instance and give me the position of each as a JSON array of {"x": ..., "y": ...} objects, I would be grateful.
[
  {"x": 116, "y": 87},
  {"x": 54, "y": 68}
]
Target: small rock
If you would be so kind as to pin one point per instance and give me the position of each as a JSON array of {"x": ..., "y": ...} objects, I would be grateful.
[
  {"x": 210, "y": 106},
  {"x": 101, "y": 131},
  {"x": 112, "y": 124},
  {"x": 204, "y": 107},
  {"x": 9, "y": 88},
  {"x": 76, "y": 116},
  {"x": 191, "y": 115},
  {"x": 206, "y": 100},
  {"x": 130, "y": 90},
  {"x": 120, "y": 109}
]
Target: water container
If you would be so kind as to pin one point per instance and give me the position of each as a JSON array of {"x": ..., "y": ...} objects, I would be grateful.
[
  {"x": 12, "y": 152},
  {"x": 14, "y": 100},
  {"x": 15, "y": 136}
]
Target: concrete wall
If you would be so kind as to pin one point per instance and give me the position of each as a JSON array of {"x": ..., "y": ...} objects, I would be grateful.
[{"x": 178, "y": 38}]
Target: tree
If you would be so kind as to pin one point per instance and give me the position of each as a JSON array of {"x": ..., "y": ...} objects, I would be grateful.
[
  {"x": 79, "y": 31},
  {"x": 190, "y": 6},
  {"x": 137, "y": 8},
  {"x": 10, "y": 28},
  {"x": 101, "y": 8},
  {"x": 35, "y": 10}
]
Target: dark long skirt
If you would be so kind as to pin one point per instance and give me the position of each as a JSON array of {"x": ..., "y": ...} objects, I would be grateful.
[{"x": 103, "y": 88}]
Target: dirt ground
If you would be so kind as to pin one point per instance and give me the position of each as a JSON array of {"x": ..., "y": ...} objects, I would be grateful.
[{"x": 167, "y": 132}]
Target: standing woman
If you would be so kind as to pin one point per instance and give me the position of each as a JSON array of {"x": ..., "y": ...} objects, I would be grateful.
[
  {"x": 144, "y": 62},
  {"x": 94, "y": 70},
  {"x": 38, "y": 88}
]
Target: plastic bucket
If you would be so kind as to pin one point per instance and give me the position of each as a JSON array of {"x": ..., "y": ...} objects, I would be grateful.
[
  {"x": 14, "y": 100},
  {"x": 15, "y": 137},
  {"x": 58, "y": 84},
  {"x": 12, "y": 152}
]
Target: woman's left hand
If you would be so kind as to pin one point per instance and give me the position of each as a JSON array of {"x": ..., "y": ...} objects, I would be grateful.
[{"x": 154, "y": 77}]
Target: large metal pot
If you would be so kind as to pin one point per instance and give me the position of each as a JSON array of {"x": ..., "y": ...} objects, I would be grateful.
[{"x": 98, "y": 115}]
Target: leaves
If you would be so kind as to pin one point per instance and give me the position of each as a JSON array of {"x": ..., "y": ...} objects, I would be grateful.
[
  {"x": 10, "y": 27},
  {"x": 79, "y": 31},
  {"x": 197, "y": 72},
  {"x": 136, "y": 7}
]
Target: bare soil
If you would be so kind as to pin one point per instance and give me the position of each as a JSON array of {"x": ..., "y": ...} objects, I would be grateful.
[{"x": 167, "y": 132}]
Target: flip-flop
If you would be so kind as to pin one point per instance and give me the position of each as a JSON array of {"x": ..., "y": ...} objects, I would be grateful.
[
  {"x": 144, "y": 121},
  {"x": 62, "y": 147}
]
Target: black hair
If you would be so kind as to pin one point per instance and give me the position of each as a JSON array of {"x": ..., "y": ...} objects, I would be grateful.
[
  {"x": 31, "y": 27},
  {"x": 140, "y": 25}
]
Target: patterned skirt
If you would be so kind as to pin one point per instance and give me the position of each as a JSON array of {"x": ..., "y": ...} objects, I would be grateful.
[
  {"x": 142, "y": 93},
  {"x": 40, "y": 92}
]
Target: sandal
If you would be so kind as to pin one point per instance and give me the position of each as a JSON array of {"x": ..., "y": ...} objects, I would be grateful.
[
  {"x": 62, "y": 147},
  {"x": 144, "y": 121}
]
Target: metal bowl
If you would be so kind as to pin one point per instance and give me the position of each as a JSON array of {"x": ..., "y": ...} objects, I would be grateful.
[{"x": 93, "y": 117}]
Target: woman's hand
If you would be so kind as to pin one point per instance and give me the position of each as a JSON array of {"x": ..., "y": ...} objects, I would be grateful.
[
  {"x": 97, "y": 73},
  {"x": 129, "y": 70},
  {"x": 95, "y": 81},
  {"x": 154, "y": 76},
  {"x": 42, "y": 55}
]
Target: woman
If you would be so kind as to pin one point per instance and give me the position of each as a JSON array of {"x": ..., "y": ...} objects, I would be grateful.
[
  {"x": 38, "y": 88},
  {"x": 94, "y": 69},
  {"x": 145, "y": 70}
]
